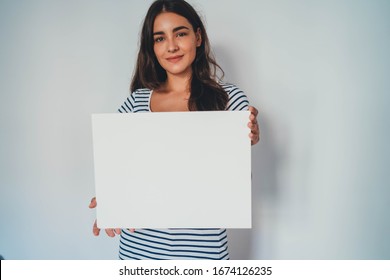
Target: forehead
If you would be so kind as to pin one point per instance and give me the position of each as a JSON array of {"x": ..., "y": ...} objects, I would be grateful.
[{"x": 167, "y": 21}]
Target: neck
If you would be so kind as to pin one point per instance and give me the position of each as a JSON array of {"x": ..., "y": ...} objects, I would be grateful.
[{"x": 181, "y": 83}]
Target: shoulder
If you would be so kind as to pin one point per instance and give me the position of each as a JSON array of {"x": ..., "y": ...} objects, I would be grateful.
[
  {"x": 141, "y": 92},
  {"x": 237, "y": 98},
  {"x": 137, "y": 101}
]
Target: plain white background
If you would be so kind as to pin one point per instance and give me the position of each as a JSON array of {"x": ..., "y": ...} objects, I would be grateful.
[{"x": 317, "y": 71}]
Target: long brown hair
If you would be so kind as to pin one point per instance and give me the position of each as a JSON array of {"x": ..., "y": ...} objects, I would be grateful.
[{"x": 206, "y": 93}]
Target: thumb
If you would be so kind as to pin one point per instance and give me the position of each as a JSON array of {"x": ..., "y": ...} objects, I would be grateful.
[
  {"x": 95, "y": 229},
  {"x": 93, "y": 203}
]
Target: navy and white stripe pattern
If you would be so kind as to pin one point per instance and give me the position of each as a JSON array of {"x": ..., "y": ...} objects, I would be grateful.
[
  {"x": 175, "y": 244},
  {"x": 139, "y": 100}
]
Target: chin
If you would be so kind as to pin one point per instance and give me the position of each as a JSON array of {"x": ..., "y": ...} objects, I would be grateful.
[{"x": 178, "y": 71}]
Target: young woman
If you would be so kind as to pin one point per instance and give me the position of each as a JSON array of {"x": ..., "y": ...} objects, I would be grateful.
[{"x": 176, "y": 72}]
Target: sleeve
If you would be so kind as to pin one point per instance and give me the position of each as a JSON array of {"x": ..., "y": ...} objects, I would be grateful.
[
  {"x": 128, "y": 105},
  {"x": 237, "y": 99}
]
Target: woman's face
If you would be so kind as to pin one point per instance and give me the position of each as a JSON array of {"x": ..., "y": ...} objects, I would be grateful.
[{"x": 175, "y": 43}]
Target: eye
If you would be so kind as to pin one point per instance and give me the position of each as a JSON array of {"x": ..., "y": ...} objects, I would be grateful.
[
  {"x": 181, "y": 34},
  {"x": 158, "y": 39}
]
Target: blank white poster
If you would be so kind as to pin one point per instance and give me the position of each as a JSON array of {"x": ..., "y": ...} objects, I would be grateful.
[{"x": 172, "y": 170}]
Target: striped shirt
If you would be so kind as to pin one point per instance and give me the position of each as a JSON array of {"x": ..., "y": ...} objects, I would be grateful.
[{"x": 175, "y": 243}]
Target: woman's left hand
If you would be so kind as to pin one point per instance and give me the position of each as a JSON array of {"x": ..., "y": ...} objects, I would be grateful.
[{"x": 254, "y": 126}]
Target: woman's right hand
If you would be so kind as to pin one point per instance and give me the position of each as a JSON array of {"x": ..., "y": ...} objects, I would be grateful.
[{"x": 111, "y": 232}]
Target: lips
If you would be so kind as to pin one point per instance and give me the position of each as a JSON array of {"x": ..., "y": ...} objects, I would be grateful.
[{"x": 175, "y": 58}]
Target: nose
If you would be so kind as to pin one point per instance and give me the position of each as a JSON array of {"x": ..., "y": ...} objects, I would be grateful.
[{"x": 172, "y": 45}]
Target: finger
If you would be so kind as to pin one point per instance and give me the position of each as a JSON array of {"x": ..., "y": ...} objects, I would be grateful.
[
  {"x": 117, "y": 231},
  {"x": 95, "y": 229},
  {"x": 110, "y": 232},
  {"x": 253, "y": 118},
  {"x": 253, "y": 110},
  {"x": 93, "y": 203},
  {"x": 253, "y": 126},
  {"x": 132, "y": 229},
  {"x": 254, "y": 138},
  {"x": 253, "y": 115}
]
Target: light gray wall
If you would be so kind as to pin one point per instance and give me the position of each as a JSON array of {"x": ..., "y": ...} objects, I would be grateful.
[{"x": 317, "y": 71}]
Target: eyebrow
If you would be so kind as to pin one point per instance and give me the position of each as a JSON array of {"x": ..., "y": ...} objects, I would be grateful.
[{"x": 173, "y": 30}]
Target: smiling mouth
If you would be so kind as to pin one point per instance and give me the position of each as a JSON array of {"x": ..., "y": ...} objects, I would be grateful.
[{"x": 175, "y": 58}]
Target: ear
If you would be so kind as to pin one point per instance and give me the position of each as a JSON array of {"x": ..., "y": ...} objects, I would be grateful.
[{"x": 198, "y": 35}]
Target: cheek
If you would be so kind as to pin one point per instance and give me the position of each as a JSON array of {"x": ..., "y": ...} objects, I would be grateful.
[
  {"x": 157, "y": 51},
  {"x": 193, "y": 53},
  {"x": 194, "y": 48}
]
